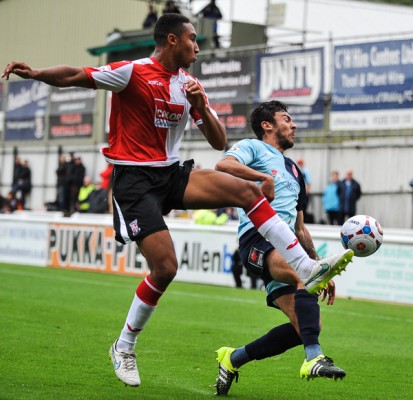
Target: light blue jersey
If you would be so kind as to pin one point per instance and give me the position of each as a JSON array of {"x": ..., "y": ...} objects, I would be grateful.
[{"x": 288, "y": 180}]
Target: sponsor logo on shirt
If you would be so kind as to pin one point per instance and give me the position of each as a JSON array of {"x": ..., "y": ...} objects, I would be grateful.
[
  {"x": 167, "y": 115},
  {"x": 105, "y": 68},
  {"x": 156, "y": 83},
  {"x": 234, "y": 148}
]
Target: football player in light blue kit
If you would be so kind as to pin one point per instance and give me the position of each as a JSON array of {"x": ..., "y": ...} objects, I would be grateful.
[{"x": 262, "y": 160}]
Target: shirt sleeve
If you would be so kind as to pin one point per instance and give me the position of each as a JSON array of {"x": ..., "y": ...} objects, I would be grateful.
[
  {"x": 113, "y": 77},
  {"x": 243, "y": 151},
  {"x": 302, "y": 195}
]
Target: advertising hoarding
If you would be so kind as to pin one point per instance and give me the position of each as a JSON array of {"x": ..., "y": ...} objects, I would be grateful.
[
  {"x": 373, "y": 86},
  {"x": 25, "y": 110},
  {"x": 297, "y": 79}
]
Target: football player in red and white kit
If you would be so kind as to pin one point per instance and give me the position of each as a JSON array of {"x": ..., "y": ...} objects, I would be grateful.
[{"x": 151, "y": 103}]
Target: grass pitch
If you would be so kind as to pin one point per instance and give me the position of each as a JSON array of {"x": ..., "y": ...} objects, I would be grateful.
[{"x": 57, "y": 327}]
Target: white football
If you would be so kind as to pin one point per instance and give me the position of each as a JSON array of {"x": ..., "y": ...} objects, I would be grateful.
[{"x": 362, "y": 234}]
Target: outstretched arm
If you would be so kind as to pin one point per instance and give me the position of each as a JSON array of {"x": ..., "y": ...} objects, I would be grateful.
[{"x": 60, "y": 75}]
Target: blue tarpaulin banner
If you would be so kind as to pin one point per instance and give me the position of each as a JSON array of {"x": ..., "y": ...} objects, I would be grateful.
[
  {"x": 25, "y": 110},
  {"x": 373, "y": 86}
]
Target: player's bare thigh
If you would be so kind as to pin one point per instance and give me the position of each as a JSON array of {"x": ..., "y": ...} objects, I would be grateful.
[
  {"x": 212, "y": 189},
  {"x": 281, "y": 271}
]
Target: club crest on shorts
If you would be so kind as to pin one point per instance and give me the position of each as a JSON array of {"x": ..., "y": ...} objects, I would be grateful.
[
  {"x": 134, "y": 227},
  {"x": 256, "y": 257}
]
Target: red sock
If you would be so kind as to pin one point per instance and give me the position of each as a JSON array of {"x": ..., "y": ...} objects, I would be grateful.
[
  {"x": 260, "y": 211},
  {"x": 148, "y": 292},
  {"x": 279, "y": 234}
]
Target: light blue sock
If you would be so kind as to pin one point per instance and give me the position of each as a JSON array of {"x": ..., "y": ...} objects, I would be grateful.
[
  {"x": 239, "y": 357},
  {"x": 312, "y": 351}
]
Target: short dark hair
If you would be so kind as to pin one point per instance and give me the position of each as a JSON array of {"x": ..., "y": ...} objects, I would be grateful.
[
  {"x": 265, "y": 112},
  {"x": 166, "y": 24}
]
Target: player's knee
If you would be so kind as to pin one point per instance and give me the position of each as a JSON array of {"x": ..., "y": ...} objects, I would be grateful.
[
  {"x": 164, "y": 273},
  {"x": 169, "y": 272},
  {"x": 249, "y": 193}
]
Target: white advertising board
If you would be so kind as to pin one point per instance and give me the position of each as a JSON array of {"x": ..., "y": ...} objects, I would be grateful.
[
  {"x": 203, "y": 253},
  {"x": 23, "y": 242}
]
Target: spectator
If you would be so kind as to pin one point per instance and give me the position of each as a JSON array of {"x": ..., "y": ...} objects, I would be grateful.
[
  {"x": 171, "y": 7},
  {"x": 209, "y": 217},
  {"x": 106, "y": 176},
  {"x": 69, "y": 178},
  {"x": 306, "y": 175},
  {"x": 2, "y": 202},
  {"x": 308, "y": 217},
  {"x": 236, "y": 268},
  {"x": 230, "y": 211},
  {"x": 350, "y": 193},
  {"x": 23, "y": 186},
  {"x": 16, "y": 171},
  {"x": 151, "y": 18},
  {"x": 331, "y": 199},
  {"x": 10, "y": 204},
  {"x": 83, "y": 200},
  {"x": 211, "y": 11},
  {"x": 98, "y": 200},
  {"x": 77, "y": 174},
  {"x": 106, "y": 184},
  {"x": 62, "y": 190}
]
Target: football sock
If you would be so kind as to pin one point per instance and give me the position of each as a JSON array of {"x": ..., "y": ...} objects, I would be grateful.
[
  {"x": 312, "y": 351},
  {"x": 239, "y": 357},
  {"x": 276, "y": 341},
  {"x": 279, "y": 234},
  {"x": 307, "y": 311},
  {"x": 143, "y": 305}
]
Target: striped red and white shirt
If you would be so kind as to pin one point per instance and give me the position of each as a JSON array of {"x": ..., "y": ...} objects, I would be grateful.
[{"x": 149, "y": 111}]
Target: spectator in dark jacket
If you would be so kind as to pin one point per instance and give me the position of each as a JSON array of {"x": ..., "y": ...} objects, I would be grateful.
[
  {"x": 211, "y": 11},
  {"x": 151, "y": 18},
  {"x": 62, "y": 188},
  {"x": 77, "y": 175},
  {"x": 23, "y": 185},
  {"x": 17, "y": 166},
  {"x": 350, "y": 193}
]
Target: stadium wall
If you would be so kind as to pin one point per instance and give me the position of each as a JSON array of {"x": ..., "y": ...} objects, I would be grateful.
[{"x": 203, "y": 252}]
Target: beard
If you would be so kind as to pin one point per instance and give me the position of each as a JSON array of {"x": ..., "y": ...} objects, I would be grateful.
[{"x": 284, "y": 142}]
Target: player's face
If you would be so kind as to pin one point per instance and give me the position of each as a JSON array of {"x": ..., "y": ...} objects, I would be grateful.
[
  {"x": 187, "y": 47},
  {"x": 284, "y": 130}
]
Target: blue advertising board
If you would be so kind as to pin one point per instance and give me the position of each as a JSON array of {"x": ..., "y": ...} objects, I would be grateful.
[
  {"x": 25, "y": 110},
  {"x": 297, "y": 79},
  {"x": 373, "y": 86}
]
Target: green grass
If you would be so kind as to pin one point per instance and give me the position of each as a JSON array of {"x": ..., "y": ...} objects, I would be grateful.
[{"x": 57, "y": 327}]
